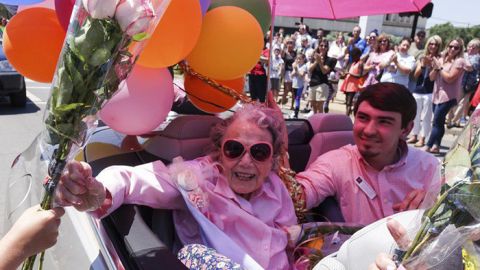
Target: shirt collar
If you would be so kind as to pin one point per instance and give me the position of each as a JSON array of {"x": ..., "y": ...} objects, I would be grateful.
[{"x": 402, "y": 150}]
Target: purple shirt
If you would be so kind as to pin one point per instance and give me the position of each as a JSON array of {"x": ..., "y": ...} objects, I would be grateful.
[
  {"x": 335, "y": 174},
  {"x": 256, "y": 225}
]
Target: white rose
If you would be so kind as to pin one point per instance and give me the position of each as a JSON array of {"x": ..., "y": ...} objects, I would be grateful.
[
  {"x": 134, "y": 16},
  {"x": 100, "y": 9}
]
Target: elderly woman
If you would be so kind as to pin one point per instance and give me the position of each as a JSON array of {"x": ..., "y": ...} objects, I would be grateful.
[{"x": 235, "y": 188}]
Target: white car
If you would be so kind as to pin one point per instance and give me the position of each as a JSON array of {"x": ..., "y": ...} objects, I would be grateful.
[{"x": 139, "y": 237}]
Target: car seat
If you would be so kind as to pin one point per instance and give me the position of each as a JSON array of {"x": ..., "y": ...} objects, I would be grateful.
[
  {"x": 144, "y": 237},
  {"x": 331, "y": 131},
  {"x": 300, "y": 133}
]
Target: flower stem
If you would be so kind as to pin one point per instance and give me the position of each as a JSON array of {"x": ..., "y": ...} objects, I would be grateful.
[{"x": 417, "y": 242}]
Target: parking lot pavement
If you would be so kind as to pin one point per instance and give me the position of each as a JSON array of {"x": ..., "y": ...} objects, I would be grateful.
[{"x": 338, "y": 106}]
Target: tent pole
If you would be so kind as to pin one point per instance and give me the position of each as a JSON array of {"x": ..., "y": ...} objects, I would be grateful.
[
  {"x": 270, "y": 41},
  {"x": 414, "y": 26}
]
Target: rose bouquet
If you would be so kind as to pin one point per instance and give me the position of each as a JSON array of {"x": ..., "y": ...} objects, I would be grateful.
[
  {"x": 313, "y": 241},
  {"x": 454, "y": 220},
  {"x": 104, "y": 39}
]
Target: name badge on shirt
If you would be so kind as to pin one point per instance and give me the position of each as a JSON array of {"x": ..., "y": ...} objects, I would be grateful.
[{"x": 365, "y": 187}]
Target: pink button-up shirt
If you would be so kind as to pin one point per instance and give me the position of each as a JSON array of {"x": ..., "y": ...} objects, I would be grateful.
[
  {"x": 255, "y": 224},
  {"x": 335, "y": 174}
]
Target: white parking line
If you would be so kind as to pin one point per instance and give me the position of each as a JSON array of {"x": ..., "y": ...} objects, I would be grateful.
[
  {"x": 39, "y": 87},
  {"x": 34, "y": 98}
]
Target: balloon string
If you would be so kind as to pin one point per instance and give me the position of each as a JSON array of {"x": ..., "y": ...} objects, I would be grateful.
[
  {"x": 202, "y": 99},
  {"x": 224, "y": 89}
]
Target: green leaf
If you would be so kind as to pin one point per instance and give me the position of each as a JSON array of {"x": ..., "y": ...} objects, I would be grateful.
[
  {"x": 65, "y": 129},
  {"x": 68, "y": 107},
  {"x": 65, "y": 87},
  {"x": 99, "y": 57},
  {"x": 141, "y": 36},
  {"x": 474, "y": 188}
]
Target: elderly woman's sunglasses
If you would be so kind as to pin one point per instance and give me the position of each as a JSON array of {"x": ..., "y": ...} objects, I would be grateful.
[{"x": 234, "y": 149}]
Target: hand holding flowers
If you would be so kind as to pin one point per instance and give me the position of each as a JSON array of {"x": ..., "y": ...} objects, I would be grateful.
[
  {"x": 455, "y": 217},
  {"x": 103, "y": 42}
]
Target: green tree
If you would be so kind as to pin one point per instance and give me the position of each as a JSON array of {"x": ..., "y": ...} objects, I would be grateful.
[
  {"x": 4, "y": 12},
  {"x": 447, "y": 32}
]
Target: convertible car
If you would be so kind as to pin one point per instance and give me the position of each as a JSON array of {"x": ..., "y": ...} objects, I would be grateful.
[{"x": 139, "y": 237}]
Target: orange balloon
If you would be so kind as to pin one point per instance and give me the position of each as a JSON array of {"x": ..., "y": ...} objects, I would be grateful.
[
  {"x": 230, "y": 44},
  {"x": 175, "y": 36},
  {"x": 209, "y": 99},
  {"x": 32, "y": 42}
]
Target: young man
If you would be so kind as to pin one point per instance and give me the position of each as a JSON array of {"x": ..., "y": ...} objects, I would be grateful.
[
  {"x": 418, "y": 44},
  {"x": 379, "y": 175}
]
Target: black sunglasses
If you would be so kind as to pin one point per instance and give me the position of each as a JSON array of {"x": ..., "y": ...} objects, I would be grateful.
[
  {"x": 234, "y": 149},
  {"x": 454, "y": 47}
]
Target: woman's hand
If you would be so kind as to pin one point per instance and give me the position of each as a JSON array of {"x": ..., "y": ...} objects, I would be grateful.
[
  {"x": 78, "y": 188},
  {"x": 393, "y": 58},
  {"x": 436, "y": 63},
  {"x": 35, "y": 231},
  {"x": 427, "y": 61}
]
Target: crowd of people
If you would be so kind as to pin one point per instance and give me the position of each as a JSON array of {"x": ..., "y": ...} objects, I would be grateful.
[
  {"x": 235, "y": 193},
  {"x": 443, "y": 75}
]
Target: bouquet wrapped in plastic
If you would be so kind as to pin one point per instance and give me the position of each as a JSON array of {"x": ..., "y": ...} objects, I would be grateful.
[
  {"x": 453, "y": 222},
  {"x": 104, "y": 39},
  {"x": 313, "y": 241}
]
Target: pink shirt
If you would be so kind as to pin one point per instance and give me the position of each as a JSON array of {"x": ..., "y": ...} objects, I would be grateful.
[
  {"x": 443, "y": 91},
  {"x": 378, "y": 58},
  {"x": 335, "y": 172},
  {"x": 255, "y": 224}
]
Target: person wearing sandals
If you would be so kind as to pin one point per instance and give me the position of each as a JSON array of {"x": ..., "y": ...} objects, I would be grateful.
[
  {"x": 422, "y": 92},
  {"x": 447, "y": 73},
  {"x": 353, "y": 80}
]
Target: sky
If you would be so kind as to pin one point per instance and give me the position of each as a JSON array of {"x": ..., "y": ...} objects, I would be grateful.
[{"x": 461, "y": 13}]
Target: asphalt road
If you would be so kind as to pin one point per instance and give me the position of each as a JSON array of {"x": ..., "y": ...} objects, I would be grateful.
[{"x": 19, "y": 126}]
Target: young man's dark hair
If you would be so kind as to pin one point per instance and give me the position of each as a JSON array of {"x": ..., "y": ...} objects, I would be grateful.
[
  {"x": 421, "y": 34},
  {"x": 390, "y": 97}
]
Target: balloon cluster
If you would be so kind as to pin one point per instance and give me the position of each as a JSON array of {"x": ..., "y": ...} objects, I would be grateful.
[{"x": 221, "y": 39}]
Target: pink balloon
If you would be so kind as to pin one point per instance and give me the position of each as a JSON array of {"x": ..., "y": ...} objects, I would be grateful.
[
  {"x": 142, "y": 103},
  {"x": 64, "y": 8}
]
